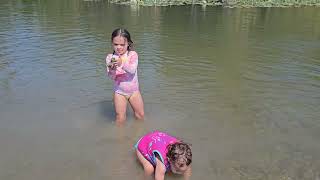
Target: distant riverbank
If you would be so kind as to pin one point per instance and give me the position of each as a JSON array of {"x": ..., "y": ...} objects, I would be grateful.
[{"x": 225, "y": 3}]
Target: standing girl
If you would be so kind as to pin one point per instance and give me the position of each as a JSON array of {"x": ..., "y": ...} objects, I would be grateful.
[{"x": 122, "y": 67}]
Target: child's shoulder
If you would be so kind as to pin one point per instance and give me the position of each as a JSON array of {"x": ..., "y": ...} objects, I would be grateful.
[
  {"x": 132, "y": 53},
  {"x": 109, "y": 56}
]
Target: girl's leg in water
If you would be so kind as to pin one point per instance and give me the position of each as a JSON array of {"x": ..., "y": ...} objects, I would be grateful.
[
  {"x": 120, "y": 105},
  {"x": 137, "y": 105}
]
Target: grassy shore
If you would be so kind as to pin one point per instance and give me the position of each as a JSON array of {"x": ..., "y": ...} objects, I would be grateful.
[{"x": 226, "y": 3}]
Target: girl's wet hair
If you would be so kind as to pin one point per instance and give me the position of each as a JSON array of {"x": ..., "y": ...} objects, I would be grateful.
[
  {"x": 123, "y": 33},
  {"x": 179, "y": 152}
]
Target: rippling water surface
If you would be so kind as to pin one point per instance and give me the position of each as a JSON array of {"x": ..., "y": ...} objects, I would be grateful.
[{"x": 241, "y": 85}]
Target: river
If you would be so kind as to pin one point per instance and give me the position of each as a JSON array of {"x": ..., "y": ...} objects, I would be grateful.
[{"x": 242, "y": 85}]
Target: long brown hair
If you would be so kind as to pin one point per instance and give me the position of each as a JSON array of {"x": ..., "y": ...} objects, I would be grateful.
[{"x": 123, "y": 33}]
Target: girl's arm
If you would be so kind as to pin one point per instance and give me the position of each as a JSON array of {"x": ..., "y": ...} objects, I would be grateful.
[
  {"x": 132, "y": 64},
  {"x": 160, "y": 170},
  {"x": 187, "y": 173},
  {"x": 110, "y": 72}
]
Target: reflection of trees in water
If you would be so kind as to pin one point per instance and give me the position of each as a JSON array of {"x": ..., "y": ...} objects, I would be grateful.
[
  {"x": 6, "y": 75},
  {"x": 7, "y": 18},
  {"x": 189, "y": 32},
  {"x": 232, "y": 32},
  {"x": 227, "y": 43}
]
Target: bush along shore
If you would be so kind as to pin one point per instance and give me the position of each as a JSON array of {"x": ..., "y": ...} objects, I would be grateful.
[{"x": 225, "y": 3}]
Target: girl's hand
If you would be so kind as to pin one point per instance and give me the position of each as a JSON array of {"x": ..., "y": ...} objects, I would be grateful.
[
  {"x": 119, "y": 61},
  {"x": 187, "y": 174},
  {"x": 160, "y": 170},
  {"x": 112, "y": 65}
]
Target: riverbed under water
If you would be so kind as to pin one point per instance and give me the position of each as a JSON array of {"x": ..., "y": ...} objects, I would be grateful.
[{"x": 241, "y": 85}]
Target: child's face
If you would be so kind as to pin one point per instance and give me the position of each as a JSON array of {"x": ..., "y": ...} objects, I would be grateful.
[
  {"x": 179, "y": 167},
  {"x": 120, "y": 45}
]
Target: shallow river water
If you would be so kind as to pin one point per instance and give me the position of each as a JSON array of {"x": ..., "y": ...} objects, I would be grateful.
[{"x": 241, "y": 85}]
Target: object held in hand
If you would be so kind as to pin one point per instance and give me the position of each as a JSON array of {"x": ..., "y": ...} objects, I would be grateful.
[
  {"x": 112, "y": 63},
  {"x": 113, "y": 60}
]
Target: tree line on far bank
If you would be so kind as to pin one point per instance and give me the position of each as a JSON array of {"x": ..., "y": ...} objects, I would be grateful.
[{"x": 226, "y": 3}]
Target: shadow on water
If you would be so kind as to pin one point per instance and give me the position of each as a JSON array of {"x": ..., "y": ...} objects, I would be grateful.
[
  {"x": 106, "y": 110},
  {"x": 102, "y": 111}
]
